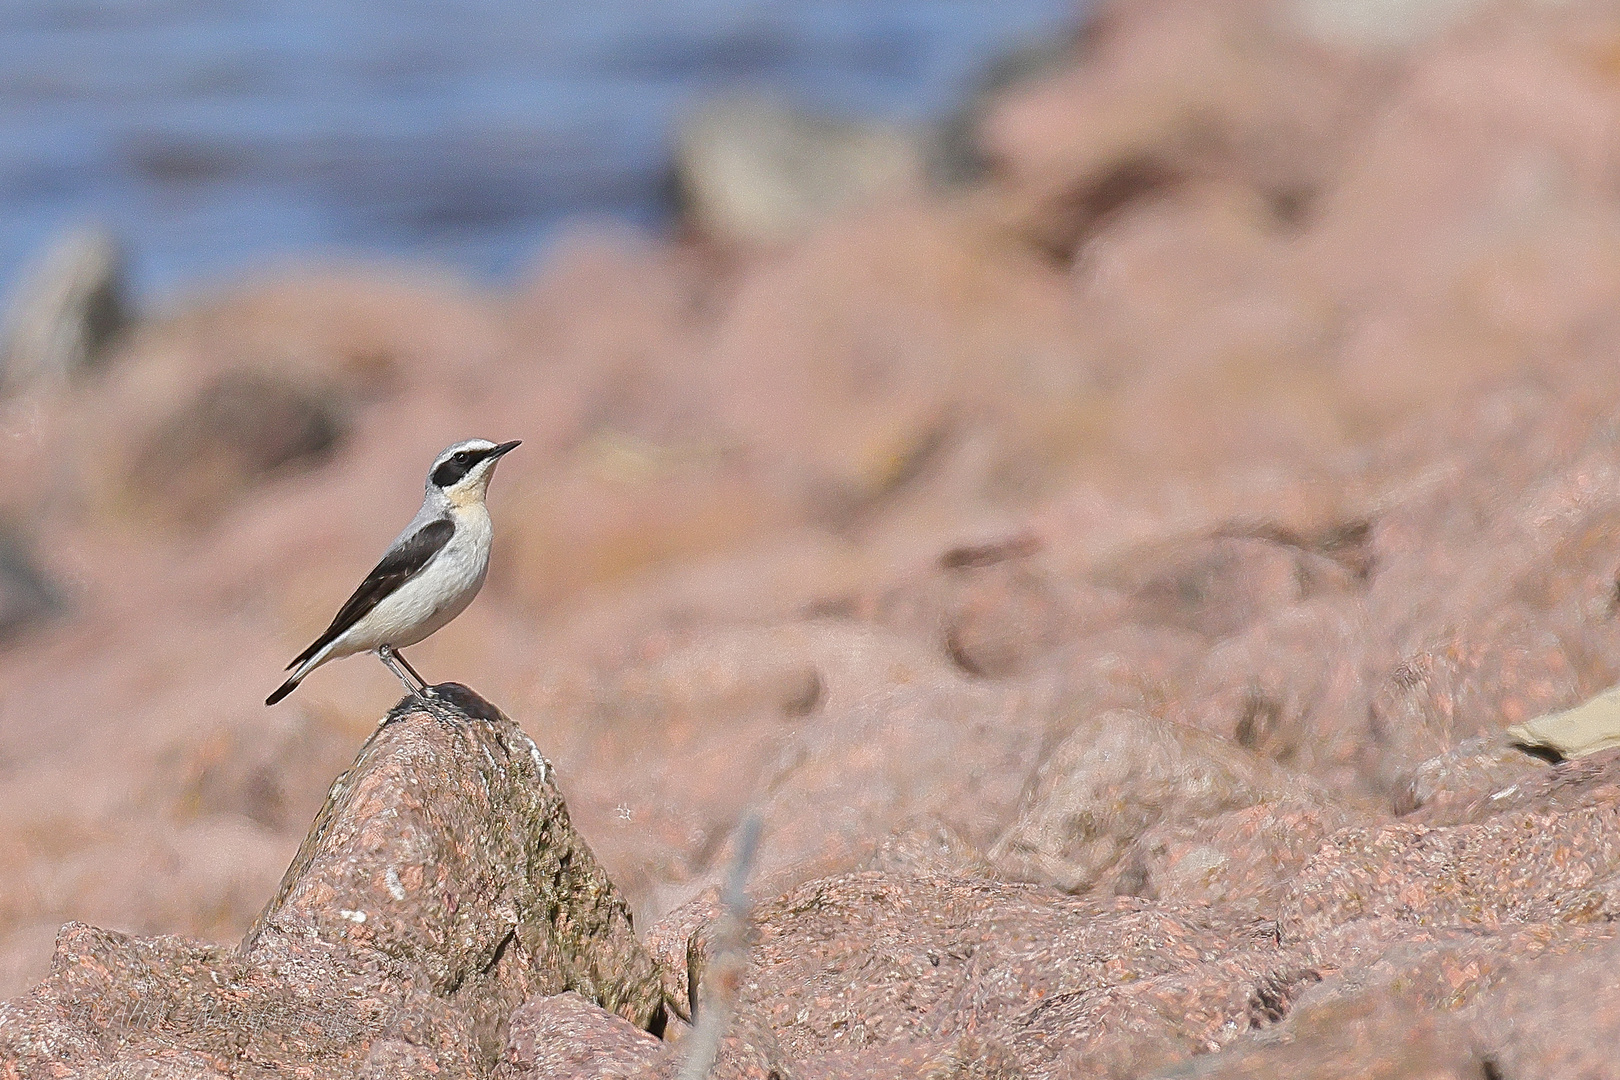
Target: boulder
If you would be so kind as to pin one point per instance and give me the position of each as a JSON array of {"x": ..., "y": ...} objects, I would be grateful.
[
  {"x": 567, "y": 1037},
  {"x": 67, "y": 309},
  {"x": 993, "y": 608},
  {"x": 1449, "y": 784},
  {"x": 856, "y": 747},
  {"x": 753, "y": 172},
  {"x": 237, "y": 430},
  {"x": 1473, "y": 683},
  {"x": 439, "y": 888},
  {"x": 1366, "y": 1038},
  {"x": 1546, "y": 849},
  {"x": 671, "y": 752},
  {"x": 871, "y": 973},
  {"x": 1168, "y": 92},
  {"x": 897, "y": 352},
  {"x": 902, "y": 743},
  {"x": 1294, "y": 688},
  {"x": 1396, "y": 1002},
  {"x": 1217, "y": 585},
  {"x": 1112, "y": 779},
  {"x": 1248, "y": 856},
  {"x": 748, "y": 1050},
  {"x": 118, "y": 1003},
  {"x": 1487, "y": 130},
  {"x": 929, "y": 848}
]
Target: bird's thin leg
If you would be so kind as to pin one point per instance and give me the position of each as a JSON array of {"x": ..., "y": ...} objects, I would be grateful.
[
  {"x": 413, "y": 682},
  {"x": 399, "y": 654}
]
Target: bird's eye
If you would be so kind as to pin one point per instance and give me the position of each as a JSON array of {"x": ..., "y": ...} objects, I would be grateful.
[{"x": 462, "y": 455}]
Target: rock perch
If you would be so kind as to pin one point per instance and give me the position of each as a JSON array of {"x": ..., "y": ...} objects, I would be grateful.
[{"x": 440, "y": 887}]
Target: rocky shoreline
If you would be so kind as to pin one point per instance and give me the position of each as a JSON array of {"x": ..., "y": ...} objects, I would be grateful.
[{"x": 1119, "y": 587}]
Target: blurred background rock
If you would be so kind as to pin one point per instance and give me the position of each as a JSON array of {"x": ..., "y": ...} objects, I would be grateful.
[{"x": 1150, "y": 449}]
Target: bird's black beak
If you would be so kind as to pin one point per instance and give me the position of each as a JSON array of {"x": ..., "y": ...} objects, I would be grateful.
[{"x": 504, "y": 448}]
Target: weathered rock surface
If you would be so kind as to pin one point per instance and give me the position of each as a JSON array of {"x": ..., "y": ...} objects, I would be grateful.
[
  {"x": 565, "y": 1036},
  {"x": 1116, "y": 776},
  {"x": 1522, "y": 1027},
  {"x": 1248, "y": 856},
  {"x": 440, "y": 887},
  {"x": 936, "y": 957},
  {"x": 1446, "y": 788},
  {"x": 113, "y": 1002},
  {"x": 1544, "y": 850},
  {"x": 1393, "y": 1003},
  {"x": 1367, "y": 1037},
  {"x": 993, "y": 608}
]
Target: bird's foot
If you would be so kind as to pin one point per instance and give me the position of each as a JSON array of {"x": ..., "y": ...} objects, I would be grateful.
[{"x": 437, "y": 706}]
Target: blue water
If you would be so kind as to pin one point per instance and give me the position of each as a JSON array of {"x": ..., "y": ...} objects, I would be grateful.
[{"x": 216, "y": 135}]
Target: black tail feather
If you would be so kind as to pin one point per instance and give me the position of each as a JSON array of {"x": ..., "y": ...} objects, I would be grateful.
[
  {"x": 315, "y": 646},
  {"x": 283, "y": 690}
]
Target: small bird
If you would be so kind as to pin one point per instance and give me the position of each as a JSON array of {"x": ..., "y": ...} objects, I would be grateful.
[{"x": 428, "y": 576}]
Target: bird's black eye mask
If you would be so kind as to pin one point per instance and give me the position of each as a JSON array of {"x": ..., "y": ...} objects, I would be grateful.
[
  {"x": 458, "y": 465},
  {"x": 449, "y": 472}
]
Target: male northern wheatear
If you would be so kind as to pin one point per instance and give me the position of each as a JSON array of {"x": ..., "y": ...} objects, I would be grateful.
[{"x": 429, "y": 575}]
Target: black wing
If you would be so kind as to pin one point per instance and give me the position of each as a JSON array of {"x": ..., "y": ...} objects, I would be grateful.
[{"x": 396, "y": 568}]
